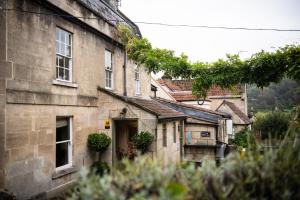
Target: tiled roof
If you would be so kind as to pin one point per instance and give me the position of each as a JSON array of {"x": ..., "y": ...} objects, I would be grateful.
[
  {"x": 237, "y": 111},
  {"x": 183, "y": 96},
  {"x": 193, "y": 111},
  {"x": 181, "y": 90},
  {"x": 149, "y": 105},
  {"x": 109, "y": 14}
]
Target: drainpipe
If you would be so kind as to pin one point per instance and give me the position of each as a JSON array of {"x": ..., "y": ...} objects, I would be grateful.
[
  {"x": 124, "y": 73},
  {"x": 246, "y": 100}
]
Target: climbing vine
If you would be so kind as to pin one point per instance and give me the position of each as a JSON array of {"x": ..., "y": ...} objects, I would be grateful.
[{"x": 261, "y": 68}]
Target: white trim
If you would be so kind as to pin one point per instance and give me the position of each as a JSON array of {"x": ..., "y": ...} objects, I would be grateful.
[
  {"x": 64, "y": 56},
  {"x": 65, "y": 83}
]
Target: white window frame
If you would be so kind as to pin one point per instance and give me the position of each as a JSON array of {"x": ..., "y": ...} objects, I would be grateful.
[
  {"x": 70, "y": 146},
  {"x": 137, "y": 81},
  {"x": 65, "y": 56},
  {"x": 108, "y": 69}
]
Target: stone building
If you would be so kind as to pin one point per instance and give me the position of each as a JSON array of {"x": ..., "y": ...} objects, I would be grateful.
[
  {"x": 204, "y": 134},
  {"x": 64, "y": 75},
  {"x": 239, "y": 118}
]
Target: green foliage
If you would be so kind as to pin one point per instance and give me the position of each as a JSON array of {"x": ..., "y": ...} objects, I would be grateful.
[
  {"x": 261, "y": 69},
  {"x": 98, "y": 142},
  {"x": 283, "y": 95},
  {"x": 271, "y": 175},
  {"x": 271, "y": 124},
  {"x": 100, "y": 168},
  {"x": 142, "y": 141},
  {"x": 242, "y": 138}
]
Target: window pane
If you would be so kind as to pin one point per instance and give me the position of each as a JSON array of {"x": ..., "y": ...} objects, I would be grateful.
[
  {"x": 62, "y": 36},
  {"x": 62, "y": 49},
  {"x": 61, "y": 73},
  {"x": 62, "y": 157},
  {"x": 62, "y": 133},
  {"x": 108, "y": 60},
  {"x": 106, "y": 78},
  {"x": 68, "y": 51},
  {"x": 67, "y": 74},
  {"x": 67, "y": 63},
  {"x": 60, "y": 61}
]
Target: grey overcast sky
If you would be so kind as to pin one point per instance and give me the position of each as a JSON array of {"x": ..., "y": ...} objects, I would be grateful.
[{"x": 210, "y": 44}]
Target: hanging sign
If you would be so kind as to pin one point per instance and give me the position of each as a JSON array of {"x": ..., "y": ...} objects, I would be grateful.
[{"x": 107, "y": 124}]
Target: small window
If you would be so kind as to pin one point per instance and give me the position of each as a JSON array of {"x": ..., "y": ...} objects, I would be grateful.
[
  {"x": 205, "y": 134},
  {"x": 108, "y": 70},
  {"x": 63, "y": 143},
  {"x": 164, "y": 132},
  {"x": 63, "y": 55},
  {"x": 174, "y": 132},
  {"x": 137, "y": 80}
]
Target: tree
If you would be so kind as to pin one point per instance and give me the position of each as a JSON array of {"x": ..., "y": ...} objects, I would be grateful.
[
  {"x": 284, "y": 96},
  {"x": 272, "y": 124}
]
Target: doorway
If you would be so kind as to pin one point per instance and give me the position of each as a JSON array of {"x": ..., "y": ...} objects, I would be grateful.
[{"x": 123, "y": 132}]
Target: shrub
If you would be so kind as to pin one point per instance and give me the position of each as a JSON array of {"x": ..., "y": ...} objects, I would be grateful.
[
  {"x": 142, "y": 141},
  {"x": 100, "y": 168},
  {"x": 272, "y": 175},
  {"x": 243, "y": 138},
  {"x": 272, "y": 124},
  {"x": 98, "y": 142}
]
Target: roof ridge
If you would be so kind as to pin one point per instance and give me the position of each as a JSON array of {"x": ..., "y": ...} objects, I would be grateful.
[{"x": 237, "y": 111}]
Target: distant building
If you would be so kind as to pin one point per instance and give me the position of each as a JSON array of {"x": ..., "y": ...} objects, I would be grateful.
[
  {"x": 204, "y": 133},
  {"x": 181, "y": 91},
  {"x": 239, "y": 118}
]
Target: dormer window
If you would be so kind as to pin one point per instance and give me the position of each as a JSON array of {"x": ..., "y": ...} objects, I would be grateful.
[{"x": 137, "y": 80}]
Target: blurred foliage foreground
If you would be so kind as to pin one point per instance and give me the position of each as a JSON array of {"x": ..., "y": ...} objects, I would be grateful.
[{"x": 273, "y": 174}]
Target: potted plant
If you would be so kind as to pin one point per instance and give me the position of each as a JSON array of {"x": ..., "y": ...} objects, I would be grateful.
[
  {"x": 142, "y": 141},
  {"x": 99, "y": 143}
]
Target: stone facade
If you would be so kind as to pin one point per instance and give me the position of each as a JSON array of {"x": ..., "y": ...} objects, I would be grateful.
[
  {"x": 32, "y": 99},
  {"x": 171, "y": 152}
]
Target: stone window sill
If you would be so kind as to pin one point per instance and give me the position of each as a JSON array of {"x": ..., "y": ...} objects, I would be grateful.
[
  {"x": 63, "y": 83},
  {"x": 64, "y": 172}
]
